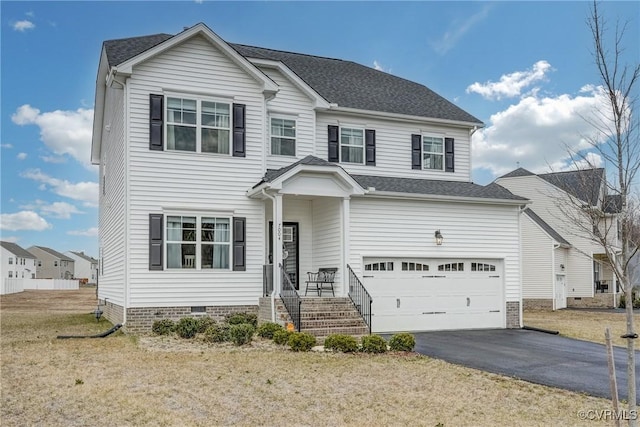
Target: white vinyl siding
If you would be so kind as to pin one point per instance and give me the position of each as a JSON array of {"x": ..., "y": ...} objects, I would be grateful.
[
  {"x": 327, "y": 236},
  {"x": 393, "y": 147},
  {"x": 290, "y": 102},
  {"x": 538, "y": 275},
  {"x": 545, "y": 197},
  {"x": 405, "y": 228},
  {"x": 112, "y": 218},
  {"x": 163, "y": 182}
]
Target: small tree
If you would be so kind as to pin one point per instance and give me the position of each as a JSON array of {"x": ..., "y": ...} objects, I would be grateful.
[{"x": 612, "y": 223}]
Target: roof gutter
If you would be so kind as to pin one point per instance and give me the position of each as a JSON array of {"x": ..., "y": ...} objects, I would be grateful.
[
  {"x": 406, "y": 117},
  {"x": 441, "y": 198}
]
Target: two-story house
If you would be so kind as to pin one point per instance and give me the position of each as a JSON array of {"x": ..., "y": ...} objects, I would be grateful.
[
  {"x": 226, "y": 167},
  {"x": 562, "y": 265},
  {"x": 85, "y": 266},
  {"x": 52, "y": 264},
  {"x": 17, "y": 263}
]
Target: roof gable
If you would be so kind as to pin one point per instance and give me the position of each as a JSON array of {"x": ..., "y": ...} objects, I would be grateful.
[
  {"x": 516, "y": 173},
  {"x": 85, "y": 257},
  {"x": 53, "y": 252},
  {"x": 17, "y": 250},
  {"x": 551, "y": 232},
  {"x": 583, "y": 184}
]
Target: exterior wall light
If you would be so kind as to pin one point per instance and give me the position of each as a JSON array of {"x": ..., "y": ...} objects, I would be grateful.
[{"x": 438, "y": 237}]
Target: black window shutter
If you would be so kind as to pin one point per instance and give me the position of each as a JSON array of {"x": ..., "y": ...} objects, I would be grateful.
[
  {"x": 448, "y": 155},
  {"x": 239, "y": 244},
  {"x": 370, "y": 147},
  {"x": 156, "y": 114},
  {"x": 416, "y": 151},
  {"x": 156, "y": 243},
  {"x": 334, "y": 144},
  {"x": 239, "y": 132}
]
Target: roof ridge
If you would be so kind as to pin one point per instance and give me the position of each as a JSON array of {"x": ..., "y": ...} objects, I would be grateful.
[
  {"x": 571, "y": 171},
  {"x": 140, "y": 37},
  {"x": 287, "y": 51}
]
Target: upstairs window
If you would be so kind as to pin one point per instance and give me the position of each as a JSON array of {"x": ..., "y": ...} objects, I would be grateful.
[
  {"x": 352, "y": 145},
  {"x": 432, "y": 152},
  {"x": 283, "y": 137},
  {"x": 10, "y": 260},
  {"x": 198, "y": 125},
  {"x": 55, "y": 263}
]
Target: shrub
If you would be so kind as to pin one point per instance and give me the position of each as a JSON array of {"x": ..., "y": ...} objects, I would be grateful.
[
  {"x": 623, "y": 304},
  {"x": 217, "y": 333},
  {"x": 341, "y": 343},
  {"x": 301, "y": 341},
  {"x": 204, "y": 323},
  {"x": 402, "y": 342},
  {"x": 374, "y": 344},
  {"x": 240, "y": 318},
  {"x": 281, "y": 336},
  {"x": 187, "y": 327},
  {"x": 267, "y": 329},
  {"x": 163, "y": 327},
  {"x": 241, "y": 334}
]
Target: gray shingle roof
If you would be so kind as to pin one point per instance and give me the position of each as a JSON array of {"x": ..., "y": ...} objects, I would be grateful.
[
  {"x": 85, "y": 257},
  {"x": 309, "y": 160},
  {"x": 517, "y": 172},
  {"x": 583, "y": 184},
  {"x": 17, "y": 250},
  {"x": 345, "y": 83},
  {"x": 546, "y": 227},
  {"x": 54, "y": 253},
  {"x": 612, "y": 203}
]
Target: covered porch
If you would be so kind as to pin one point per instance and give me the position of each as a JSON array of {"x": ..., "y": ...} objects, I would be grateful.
[{"x": 604, "y": 280}]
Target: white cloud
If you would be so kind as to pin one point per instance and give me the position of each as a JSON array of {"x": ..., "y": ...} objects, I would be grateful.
[
  {"x": 12, "y": 239},
  {"x": 90, "y": 232},
  {"x": 538, "y": 132},
  {"x": 62, "y": 210},
  {"x": 378, "y": 66},
  {"x": 21, "y": 156},
  {"x": 511, "y": 85},
  {"x": 457, "y": 29},
  {"x": 63, "y": 132},
  {"x": 6, "y": 146},
  {"x": 23, "y": 26},
  {"x": 590, "y": 160},
  {"x": 53, "y": 159},
  {"x": 23, "y": 220},
  {"x": 83, "y": 191}
]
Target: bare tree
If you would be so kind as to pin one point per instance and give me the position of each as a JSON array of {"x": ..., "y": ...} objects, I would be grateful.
[{"x": 613, "y": 221}]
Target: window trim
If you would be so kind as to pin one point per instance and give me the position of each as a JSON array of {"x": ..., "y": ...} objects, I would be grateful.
[
  {"x": 423, "y": 152},
  {"x": 363, "y": 146},
  {"x": 198, "y": 242},
  {"x": 198, "y": 125},
  {"x": 295, "y": 138}
]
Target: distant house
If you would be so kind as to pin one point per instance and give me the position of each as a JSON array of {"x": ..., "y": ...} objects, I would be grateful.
[
  {"x": 52, "y": 264},
  {"x": 86, "y": 267},
  {"x": 17, "y": 263},
  {"x": 561, "y": 264}
]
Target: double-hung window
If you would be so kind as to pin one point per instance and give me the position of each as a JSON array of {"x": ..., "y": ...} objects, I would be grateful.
[
  {"x": 351, "y": 145},
  {"x": 198, "y": 242},
  {"x": 432, "y": 152},
  {"x": 10, "y": 260},
  {"x": 283, "y": 137},
  {"x": 198, "y": 125}
]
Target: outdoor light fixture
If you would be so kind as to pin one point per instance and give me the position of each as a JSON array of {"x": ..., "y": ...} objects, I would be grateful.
[{"x": 438, "y": 237}]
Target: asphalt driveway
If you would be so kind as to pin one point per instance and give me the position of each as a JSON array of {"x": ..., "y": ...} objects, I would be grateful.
[{"x": 537, "y": 357}]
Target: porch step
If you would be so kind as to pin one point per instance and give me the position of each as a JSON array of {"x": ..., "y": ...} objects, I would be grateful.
[{"x": 324, "y": 316}]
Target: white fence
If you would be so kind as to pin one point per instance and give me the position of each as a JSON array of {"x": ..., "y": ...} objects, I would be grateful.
[{"x": 12, "y": 286}]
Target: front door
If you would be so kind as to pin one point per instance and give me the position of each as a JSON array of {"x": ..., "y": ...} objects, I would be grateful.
[
  {"x": 561, "y": 292},
  {"x": 290, "y": 258}
]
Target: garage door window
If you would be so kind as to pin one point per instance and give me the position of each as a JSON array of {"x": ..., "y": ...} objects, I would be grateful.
[
  {"x": 452, "y": 266},
  {"x": 414, "y": 266},
  {"x": 478, "y": 266},
  {"x": 379, "y": 266}
]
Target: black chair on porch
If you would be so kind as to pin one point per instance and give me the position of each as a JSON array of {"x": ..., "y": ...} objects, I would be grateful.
[{"x": 323, "y": 278}]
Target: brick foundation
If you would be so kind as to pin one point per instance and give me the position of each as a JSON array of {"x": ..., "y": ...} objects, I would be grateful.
[
  {"x": 112, "y": 312},
  {"x": 604, "y": 300},
  {"x": 140, "y": 319},
  {"x": 264, "y": 311},
  {"x": 513, "y": 315},
  {"x": 537, "y": 304}
]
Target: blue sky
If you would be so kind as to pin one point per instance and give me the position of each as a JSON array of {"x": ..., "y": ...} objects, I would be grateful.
[{"x": 523, "y": 68}]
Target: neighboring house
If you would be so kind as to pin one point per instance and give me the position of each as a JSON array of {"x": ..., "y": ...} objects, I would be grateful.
[
  {"x": 85, "y": 266},
  {"x": 206, "y": 147},
  {"x": 52, "y": 264},
  {"x": 561, "y": 264},
  {"x": 17, "y": 263}
]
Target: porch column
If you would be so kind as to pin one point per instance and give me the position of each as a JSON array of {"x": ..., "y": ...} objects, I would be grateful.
[
  {"x": 346, "y": 237},
  {"x": 277, "y": 244}
]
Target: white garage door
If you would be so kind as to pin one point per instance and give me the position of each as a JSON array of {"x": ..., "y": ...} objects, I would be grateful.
[{"x": 432, "y": 294}]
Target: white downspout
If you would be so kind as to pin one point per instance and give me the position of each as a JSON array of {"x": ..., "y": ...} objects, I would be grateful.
[{"x": 273, "y": 236}]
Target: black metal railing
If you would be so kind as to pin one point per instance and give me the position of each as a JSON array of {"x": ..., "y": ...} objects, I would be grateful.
[
  {"x": 360, "y": 297},
  {"x": 267, "y": 279},
  {"x": 290, "y": 298}
]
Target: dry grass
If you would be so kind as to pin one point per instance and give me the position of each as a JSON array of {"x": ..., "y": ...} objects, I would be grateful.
[
  {"x": 582, "y": 324},
  {"x": 123, "y": 380}
]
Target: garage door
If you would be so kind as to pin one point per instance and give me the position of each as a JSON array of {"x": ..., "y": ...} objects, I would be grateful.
[{"x": 431, "y": 294}]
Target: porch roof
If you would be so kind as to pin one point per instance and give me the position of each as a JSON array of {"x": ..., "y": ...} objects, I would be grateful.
[{"x": 547, "y": 228}]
